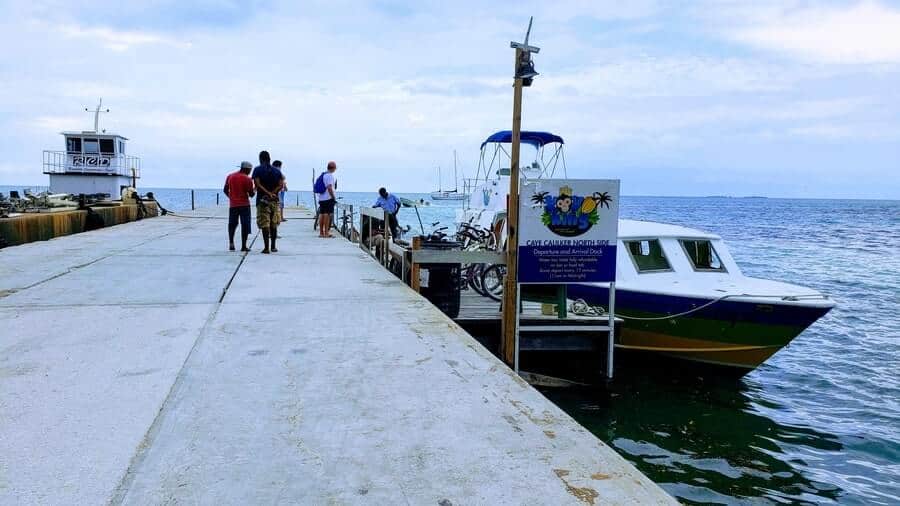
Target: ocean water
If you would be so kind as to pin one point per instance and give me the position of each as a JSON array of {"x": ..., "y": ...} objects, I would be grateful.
[{"x": 817, "y": 423}]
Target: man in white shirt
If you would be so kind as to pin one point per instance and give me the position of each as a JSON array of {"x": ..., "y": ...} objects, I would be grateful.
[{"x": 327, "y": 199}]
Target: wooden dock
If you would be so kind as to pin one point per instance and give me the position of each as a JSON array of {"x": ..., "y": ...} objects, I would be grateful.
[{"x": 145, "y": 364}]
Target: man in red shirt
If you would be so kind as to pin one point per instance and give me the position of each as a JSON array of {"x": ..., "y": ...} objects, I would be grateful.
[{"x": 239, "y": 188}]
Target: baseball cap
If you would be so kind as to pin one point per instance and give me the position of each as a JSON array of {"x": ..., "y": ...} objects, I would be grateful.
[{"x": 246, "y": 165}]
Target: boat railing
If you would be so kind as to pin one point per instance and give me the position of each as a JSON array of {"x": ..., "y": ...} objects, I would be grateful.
[{"x": 62, "y": 162}]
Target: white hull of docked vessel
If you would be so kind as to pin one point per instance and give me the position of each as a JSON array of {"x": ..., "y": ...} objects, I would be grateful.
[{"x": 88, "y": 184}]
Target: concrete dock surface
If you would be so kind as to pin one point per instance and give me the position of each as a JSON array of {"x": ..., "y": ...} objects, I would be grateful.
[{"x": 145, "y": 364}]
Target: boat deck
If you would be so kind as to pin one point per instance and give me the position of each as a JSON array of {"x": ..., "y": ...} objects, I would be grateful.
[{"x": 143, "y": 363}]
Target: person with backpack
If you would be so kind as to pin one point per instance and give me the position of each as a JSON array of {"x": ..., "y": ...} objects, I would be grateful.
[
  {"x": 324, "y": 188},
  {"x": 268, "y": 180}
]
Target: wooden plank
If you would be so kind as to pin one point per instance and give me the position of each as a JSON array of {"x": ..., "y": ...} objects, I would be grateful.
[
  {"x": 562, "y": 328},
  {"x": 427, "y": 256},
  {"x": 374, "y": 212}
]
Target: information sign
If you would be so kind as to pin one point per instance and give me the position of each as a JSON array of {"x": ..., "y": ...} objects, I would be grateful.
[{"x": 568, "y": 230}]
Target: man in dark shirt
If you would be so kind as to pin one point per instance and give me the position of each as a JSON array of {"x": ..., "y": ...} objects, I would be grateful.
[{"x": 268, "y": 181}]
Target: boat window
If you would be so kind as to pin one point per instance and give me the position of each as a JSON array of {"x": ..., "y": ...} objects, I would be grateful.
[
  {"x": 107, "y": 146},
  {"x": 702, "y": 255},
  {"x": 73, "y": 144},
  {"x": 121, "y": 147},
  {"x": 648, "y": 255},
  {"x": 91, "y": 146}
]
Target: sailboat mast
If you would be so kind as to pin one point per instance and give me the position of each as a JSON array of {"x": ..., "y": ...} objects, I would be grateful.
[
  {"x": 440, "y": 183},
  {"x": 455, "y": 178}
]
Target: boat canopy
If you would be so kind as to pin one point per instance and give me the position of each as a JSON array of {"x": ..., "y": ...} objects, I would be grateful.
[{"x": 536, "y": 139}]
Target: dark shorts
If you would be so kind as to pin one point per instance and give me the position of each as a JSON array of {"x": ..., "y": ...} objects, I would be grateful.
[
  {"x": 326, "y": 206},
  {"x": 234, "y": 213}
]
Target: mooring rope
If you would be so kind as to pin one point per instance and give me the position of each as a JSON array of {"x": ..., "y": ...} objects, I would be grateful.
[{"x": 581, "y": 308}]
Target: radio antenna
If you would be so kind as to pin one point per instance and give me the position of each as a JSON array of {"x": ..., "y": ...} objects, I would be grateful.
[{"x": 97, "y": 112}]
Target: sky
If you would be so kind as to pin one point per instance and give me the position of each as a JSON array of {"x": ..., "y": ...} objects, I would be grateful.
[{"x": 788, "y": 98}]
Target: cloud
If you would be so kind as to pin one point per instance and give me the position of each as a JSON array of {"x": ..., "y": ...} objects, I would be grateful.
[
  {"x": 398, "y": 85},
  {"x": 116, "y": 40},
  {"x": 862, "y": 33}
]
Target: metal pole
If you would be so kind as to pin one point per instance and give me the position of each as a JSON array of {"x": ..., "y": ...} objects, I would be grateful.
[
  {"x": 217, "y": 198},
  {"x": 192, "y": 200},
  {"x": 510, "y": 287},
  {"x": 516, "y": 359},
  {"x": 612, "y": 330}
]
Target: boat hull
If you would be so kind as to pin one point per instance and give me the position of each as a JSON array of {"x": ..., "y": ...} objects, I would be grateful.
[{"x": 735, "y": 334}]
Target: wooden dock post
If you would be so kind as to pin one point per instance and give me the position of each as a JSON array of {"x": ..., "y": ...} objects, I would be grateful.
[
  {"x": 386, "y": 254},
  {"x": 562, "y": 302},
  {"x": 414, "y": 267}
]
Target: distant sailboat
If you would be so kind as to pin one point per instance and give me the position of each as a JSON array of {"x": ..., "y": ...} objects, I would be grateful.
[{"x": 453, "y": 194}]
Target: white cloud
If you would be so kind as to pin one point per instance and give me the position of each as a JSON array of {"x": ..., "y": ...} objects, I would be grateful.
[
  {"x": 863, "y": 33},
  {"x": 378, "y": 91},
  {"x": 117, "y": 40}
]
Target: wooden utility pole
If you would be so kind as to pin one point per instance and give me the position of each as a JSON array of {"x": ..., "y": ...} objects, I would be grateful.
[
  {"x": 524, "y": 72},
  {"x": 510, "y": 291}
]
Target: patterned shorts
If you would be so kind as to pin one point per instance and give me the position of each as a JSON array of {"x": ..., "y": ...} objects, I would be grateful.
[{"x": 267, "y": 215}]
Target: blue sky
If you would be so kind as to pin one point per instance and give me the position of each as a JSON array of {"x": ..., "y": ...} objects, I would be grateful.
[{"x": 791, "y": 98}]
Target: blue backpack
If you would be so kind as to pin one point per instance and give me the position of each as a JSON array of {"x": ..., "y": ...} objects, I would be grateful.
[{"x": 319, "y": 186}]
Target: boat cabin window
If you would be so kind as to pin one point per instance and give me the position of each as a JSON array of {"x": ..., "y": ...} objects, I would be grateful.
[
  {"x": 648, "y": 255},
  {"x": 702, "y": 255},
  {"x": 73, "y": 145},
  {"x": 107, "y": 146},
  {"x": 121, "y": 147},
  {"x": 91, "y": 146}
]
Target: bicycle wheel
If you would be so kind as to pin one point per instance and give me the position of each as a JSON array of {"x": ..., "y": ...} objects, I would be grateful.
[
  {"x": 474, "y": 278},
  {"x": 464, "y": 273},
  {"x": 492, "y": 281}
]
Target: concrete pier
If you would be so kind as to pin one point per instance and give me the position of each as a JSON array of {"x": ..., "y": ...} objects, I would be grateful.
[{"x": 145, "y": 364}]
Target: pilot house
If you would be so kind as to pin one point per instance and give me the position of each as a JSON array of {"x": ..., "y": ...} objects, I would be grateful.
[{"x": 93, "y": 163}]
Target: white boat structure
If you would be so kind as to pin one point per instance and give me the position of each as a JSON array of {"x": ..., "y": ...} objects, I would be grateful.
[
  {"x": 679, "y": 290},
  {"x": 94, "y": 162},
  {"x": 453, "y": 194}
]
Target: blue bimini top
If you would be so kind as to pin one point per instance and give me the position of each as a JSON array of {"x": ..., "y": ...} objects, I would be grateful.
[{"x": 536, "y": 139}]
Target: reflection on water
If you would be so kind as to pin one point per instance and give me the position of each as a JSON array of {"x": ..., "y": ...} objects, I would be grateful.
[{"x": 703, "y": 440}]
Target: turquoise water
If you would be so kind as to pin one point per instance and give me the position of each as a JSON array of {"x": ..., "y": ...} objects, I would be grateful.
[{"x": 817, "y": 423}]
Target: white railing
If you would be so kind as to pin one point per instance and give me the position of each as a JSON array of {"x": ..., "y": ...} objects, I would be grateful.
[{"x": 60, "y": 162}]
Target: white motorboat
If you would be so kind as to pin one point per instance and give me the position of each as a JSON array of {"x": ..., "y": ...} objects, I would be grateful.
[{"x": 679, "y": 290}]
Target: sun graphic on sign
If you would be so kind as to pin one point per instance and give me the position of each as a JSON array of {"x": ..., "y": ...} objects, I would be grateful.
[{"x": 570, "y": 215}]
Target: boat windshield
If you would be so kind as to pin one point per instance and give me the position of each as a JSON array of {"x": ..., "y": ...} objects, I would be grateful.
[
  {"x": 702, "y": 255},
  {"x": 648, "y": 255}
]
